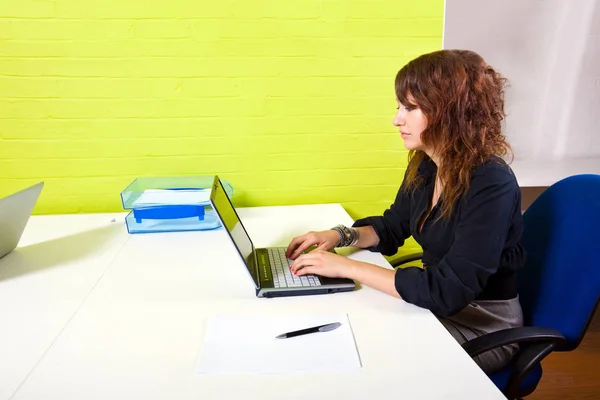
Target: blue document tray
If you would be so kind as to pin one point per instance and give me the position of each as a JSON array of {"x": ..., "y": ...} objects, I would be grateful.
[{"x": 170, "y": 204}]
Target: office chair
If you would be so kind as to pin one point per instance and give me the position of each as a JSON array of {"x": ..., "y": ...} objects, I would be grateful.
[{"x": 559, "y": 285}]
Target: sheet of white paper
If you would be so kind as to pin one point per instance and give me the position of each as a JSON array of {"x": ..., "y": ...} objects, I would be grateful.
[
  {"x": 247, "y": 344},
  {"x": 152, "y": 197}
]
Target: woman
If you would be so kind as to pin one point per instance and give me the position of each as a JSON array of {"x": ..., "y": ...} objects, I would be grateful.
[{"x": 459, "y": 200}]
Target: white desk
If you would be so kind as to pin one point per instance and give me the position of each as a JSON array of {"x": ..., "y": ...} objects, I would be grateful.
[
  {"x": 133, "y": 311},
  {"x": 45, "y": 281}
]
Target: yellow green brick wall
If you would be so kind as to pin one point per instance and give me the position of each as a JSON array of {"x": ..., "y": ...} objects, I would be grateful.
[{"x": 290, "y": 101}]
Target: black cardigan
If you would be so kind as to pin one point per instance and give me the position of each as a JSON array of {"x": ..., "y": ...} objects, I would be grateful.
[{"x": 471, "y": 256}]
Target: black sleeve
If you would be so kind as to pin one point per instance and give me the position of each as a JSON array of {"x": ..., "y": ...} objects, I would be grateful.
[
  {"x": 474, "y": 255},
  {"x": 393, "y": 228}
]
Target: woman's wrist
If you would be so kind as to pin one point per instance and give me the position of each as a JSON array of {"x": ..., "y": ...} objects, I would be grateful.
[
  {"x": 348, "y": 236},
  {"x": 362, "y": 237},
  {"x": 354, "y": 272},
  {"x": 367, "y": 237},
  {"x": 372, "y": 275}
]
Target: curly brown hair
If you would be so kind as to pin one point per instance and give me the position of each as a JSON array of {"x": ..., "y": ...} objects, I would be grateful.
[{"x": 462, "y": 98}]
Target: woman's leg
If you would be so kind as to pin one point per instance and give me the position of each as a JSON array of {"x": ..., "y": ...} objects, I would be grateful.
[
  {"x": 490, "y": 361},
  {"x": 483, "y": 317}
]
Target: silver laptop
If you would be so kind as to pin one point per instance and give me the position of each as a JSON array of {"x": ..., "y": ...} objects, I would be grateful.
[
  {"x": 15, "y": 211},
  {"x": 268, "y": 267}
]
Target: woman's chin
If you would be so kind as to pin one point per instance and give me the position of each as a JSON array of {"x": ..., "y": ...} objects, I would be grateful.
[{"x": 411, "y": 145}]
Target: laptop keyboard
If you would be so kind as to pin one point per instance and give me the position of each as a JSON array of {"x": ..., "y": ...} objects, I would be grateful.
[{"x": 282, "y": 276}]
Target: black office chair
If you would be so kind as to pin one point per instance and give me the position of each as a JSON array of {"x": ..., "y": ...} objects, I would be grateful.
[{"x": 559, "y": 286}]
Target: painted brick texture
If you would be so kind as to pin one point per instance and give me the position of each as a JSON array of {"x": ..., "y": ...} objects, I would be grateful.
[{"x": 291, "y": 102}]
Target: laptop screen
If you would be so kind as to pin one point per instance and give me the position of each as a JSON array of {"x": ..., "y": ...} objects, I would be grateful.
[{"x": 234, "y": 227}]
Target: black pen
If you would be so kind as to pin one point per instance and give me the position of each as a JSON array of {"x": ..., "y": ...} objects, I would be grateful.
[{"x": 314, "y": 329}]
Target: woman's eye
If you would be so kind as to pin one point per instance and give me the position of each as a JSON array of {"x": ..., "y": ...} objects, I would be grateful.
[{"x": 407, "y": 109}]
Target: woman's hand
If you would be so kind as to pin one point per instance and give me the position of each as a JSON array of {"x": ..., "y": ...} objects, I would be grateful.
[
  {"x": 323, "y": 263},
  {"x": 331, "y": 265},
  {"x": 324, "y": 240}
]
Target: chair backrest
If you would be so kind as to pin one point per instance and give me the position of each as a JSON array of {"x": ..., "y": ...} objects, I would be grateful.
[{"x": 559, "y": 285}]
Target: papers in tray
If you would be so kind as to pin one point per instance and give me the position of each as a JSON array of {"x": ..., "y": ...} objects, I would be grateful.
[{"x": 155, "y": 197}]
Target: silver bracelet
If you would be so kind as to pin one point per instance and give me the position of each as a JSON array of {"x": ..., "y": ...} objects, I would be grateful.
[
  {"x": 341, "y": 233},
  {"x": 348, "y": 236},
  {"x": 356, "y": 236}
]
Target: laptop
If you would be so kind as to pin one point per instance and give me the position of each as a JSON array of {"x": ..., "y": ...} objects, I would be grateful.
[
  {"x": 15, "y": 211},
  {"x": 268, "y": 267}
]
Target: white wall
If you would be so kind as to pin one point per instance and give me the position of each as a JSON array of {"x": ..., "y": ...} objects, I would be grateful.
[{"x": 550, "y": 52}]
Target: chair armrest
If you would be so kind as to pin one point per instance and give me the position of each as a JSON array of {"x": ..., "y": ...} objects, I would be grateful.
[
  {"x": 406, "y": 259},
  {"x": 524, "y": 362},
  {"x": 504, "y": 337},
  {"x": 539, "y": 342}
]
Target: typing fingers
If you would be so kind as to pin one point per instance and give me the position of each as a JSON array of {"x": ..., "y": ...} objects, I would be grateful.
[
  {"x": 308, "y": 240},
  {"x": 295, "y": 245},
  {"x": 292, "y": 246},
  {"x": 304, "y": 261},
  {"x": 310, "y": 270}
]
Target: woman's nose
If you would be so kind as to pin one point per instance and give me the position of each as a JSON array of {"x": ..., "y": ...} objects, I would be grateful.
[{"x": 398, "y": 119}]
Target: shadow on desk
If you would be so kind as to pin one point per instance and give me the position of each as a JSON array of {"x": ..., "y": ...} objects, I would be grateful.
[{"x": 56, "y": 252}]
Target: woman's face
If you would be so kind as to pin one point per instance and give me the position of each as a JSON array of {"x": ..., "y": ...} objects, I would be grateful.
[{"x": 411, "y": 122}]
